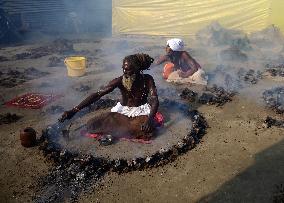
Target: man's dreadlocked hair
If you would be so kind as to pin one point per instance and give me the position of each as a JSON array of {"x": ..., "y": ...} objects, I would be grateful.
[{"x": 139, "y": 61}]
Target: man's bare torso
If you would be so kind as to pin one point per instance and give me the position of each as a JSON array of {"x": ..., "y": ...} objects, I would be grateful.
[{"x": 140, "y": 90}]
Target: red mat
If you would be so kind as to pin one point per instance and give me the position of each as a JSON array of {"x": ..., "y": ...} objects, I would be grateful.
[
  {"x": 158, "y": 118},
  {"x": 32, "y": 100}
]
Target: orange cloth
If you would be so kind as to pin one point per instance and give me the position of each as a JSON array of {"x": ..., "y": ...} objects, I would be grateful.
[{"x": 168, "y": 69}]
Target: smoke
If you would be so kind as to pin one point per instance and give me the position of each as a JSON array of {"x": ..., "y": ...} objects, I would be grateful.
[
  {"x": 45, "y": 19},
  {"x": 235, "y": 60}
]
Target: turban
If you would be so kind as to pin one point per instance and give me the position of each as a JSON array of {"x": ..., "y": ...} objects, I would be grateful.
[{"x": 176, "y": 44}]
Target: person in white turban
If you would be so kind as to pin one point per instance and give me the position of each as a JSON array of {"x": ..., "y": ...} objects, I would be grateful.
[{"x": 180, "y": 66}]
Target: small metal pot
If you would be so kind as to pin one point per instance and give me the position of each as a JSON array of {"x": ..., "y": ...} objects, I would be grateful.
[{"x": 28, "y": 137}]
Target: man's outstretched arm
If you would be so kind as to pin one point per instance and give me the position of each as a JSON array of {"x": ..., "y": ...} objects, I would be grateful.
[
  {"x": 154, "y": 103},
  {"x": 161, "y": 60},
  {"x": 91, "y": 99}
]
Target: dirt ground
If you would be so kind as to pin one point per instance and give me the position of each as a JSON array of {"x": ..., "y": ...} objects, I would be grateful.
[{"x": 238, "y": 160}]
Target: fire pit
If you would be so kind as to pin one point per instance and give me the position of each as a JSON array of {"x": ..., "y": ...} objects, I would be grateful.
[
  {"x": 80, "y": 161},
  {"x": 178, "y": 125}
]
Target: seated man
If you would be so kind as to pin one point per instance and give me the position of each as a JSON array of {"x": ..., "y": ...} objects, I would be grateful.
[
  {"x": 182, "y": 67},
  {"x": 133, "y": 116}
]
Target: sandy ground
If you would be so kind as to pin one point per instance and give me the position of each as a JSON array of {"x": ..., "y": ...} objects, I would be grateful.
[{"x": 237, "y": 161}]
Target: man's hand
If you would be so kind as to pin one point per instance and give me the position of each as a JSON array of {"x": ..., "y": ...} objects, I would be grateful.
[
  {"x": 67, "y": 115},
  {"x": 148, "y": 126}
]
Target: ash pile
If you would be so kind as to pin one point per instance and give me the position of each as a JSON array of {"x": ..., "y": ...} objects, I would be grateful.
[
  {"x": 275, "y": 70},
  {"x": 212, "y": 96},
  {"x": 216, "y": 96},
  {"x": 74, "y": 173},
  {"x": 12, "y": 78},
  {"x": 269, "y": 122},
  {"x": 9, "y": 118},
  {"x": 274, "y": 99}
]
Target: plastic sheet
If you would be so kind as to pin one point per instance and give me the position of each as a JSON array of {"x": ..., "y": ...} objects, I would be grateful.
[{"x": 186, "y": 17}]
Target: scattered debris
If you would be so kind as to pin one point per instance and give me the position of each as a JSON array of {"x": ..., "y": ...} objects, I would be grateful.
[
  {"x": 9, "y": 118},
  {"x": 274, "y": 99}
]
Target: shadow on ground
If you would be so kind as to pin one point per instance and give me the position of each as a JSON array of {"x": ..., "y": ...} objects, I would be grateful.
[{"x": 258, "y": 183}]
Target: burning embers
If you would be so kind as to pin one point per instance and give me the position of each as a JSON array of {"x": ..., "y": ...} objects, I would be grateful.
[
  {"x": 249, "y": 76},
  {"x": 75, "y": 172},
  {"x": 12, "y": 78},
  {"x": 216, "y": 95},
  {"x": 213, "y": 96},
  {"x": 274, "y": 99}
]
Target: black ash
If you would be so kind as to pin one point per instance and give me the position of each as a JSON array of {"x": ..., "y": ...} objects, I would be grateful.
[
  {"x": 12, "y": 78},
  {"x": 9, "y": 118},
  {"x": 188, "y": 94},
  {"x": 216, "y": 96},
  {"x": 269, "y": 122}
]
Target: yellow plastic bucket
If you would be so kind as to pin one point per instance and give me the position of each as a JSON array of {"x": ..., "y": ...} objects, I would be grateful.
[{"x": 76, "y": 66}]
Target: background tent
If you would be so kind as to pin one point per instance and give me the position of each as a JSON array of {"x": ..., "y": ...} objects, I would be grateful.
[{"x": 186, "y": 17}]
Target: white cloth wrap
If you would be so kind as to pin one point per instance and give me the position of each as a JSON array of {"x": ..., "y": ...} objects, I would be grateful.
[
  {"x": 198, "y": 77},
  {"x": 176, "y": 44},
  {"x": 132, "y": 111}
]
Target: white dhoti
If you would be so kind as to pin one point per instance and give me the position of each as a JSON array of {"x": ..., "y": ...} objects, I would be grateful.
[
  {"x": 198, "y": 77},
  {"x": 143, "y": 110}
]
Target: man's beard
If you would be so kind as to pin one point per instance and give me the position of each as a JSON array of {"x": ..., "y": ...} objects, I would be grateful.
[{"x": 127, "y": 81}]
